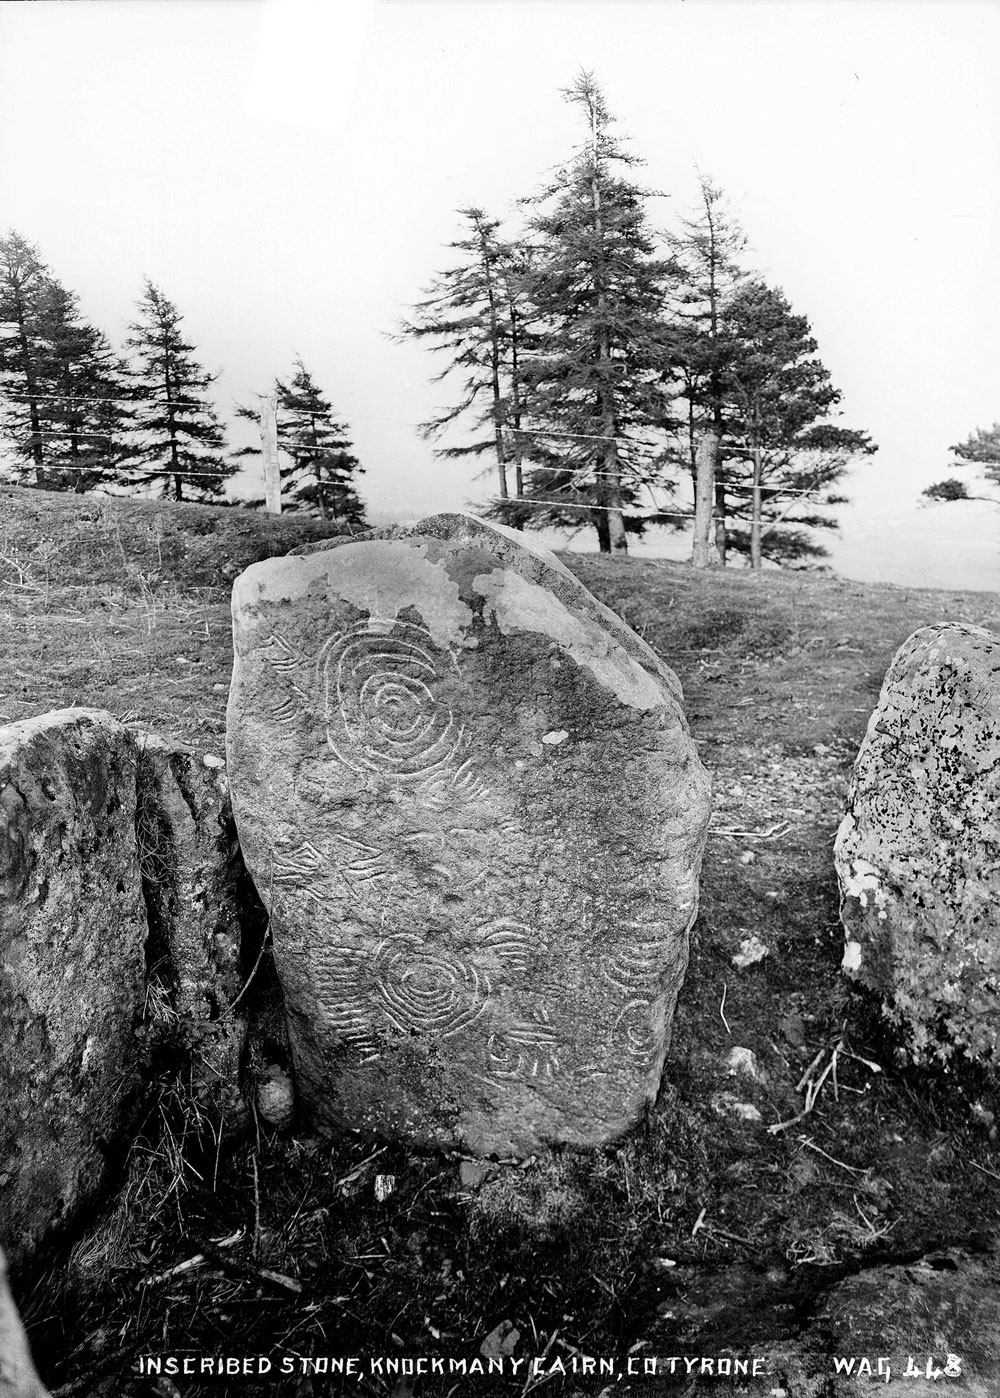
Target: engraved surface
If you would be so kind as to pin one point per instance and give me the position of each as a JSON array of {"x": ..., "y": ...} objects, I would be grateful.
[
  {"x": 453, "y": 895},
  {"x": 428, "y": 991},
  {"x": 382, "y": 712}
]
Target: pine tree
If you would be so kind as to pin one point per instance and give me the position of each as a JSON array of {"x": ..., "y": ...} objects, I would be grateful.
[
  {"x": 708, "y": 251},
  {"x": 180, "y": 439},
  {"x": 62, "y": 386},
  {"x": 778, "y": 402},
  {"x": 319, "y": 470},
  {"x": 84, "y": 411},
  {"x": 476, "y": 313},
  {"x": 23, "y": 277},
  {"x": 981, "y": 448},
  {"x": 597, "y": 291}
]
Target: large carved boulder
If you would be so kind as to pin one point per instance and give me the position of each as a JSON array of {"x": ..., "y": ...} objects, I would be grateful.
[
  {"x": 72, "y": 939},
  {"x": 468, "y": 796},
  {"x": 918, "y": 852}
]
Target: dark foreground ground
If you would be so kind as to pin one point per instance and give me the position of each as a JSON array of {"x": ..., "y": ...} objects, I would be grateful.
[{"x": 705, "y": 1229}]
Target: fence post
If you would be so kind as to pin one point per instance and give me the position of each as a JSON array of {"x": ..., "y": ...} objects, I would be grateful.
[{"x": 269, "y": 447}]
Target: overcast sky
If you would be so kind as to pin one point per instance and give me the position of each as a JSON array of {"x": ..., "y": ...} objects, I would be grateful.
[{"x": 288, "y": 171}]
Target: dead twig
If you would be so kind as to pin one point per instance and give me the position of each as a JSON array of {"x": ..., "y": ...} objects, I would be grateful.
[
  {"x": 780, "y": 827},
  {"x": 811, "y": 1145}
]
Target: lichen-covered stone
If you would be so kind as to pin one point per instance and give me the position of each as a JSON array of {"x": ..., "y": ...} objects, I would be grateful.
[
  {"x": 72, "y": 939},
  {"x": 192, "y": 872},
  {"x": 918, "y": 852},
  {"x": 468, "y": 796}
]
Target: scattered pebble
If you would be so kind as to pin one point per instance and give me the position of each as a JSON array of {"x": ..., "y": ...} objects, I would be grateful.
[
  {"x": 553, "y": 739},
  {"x": 471, "y": 1173},
  {"x": 745, "y": 1061},
  {"x": 725, "y": 1104},
  {"x": 752, "y": 950},
  {"x": 748, "y": 857},
  {"x": 210, "y": 760},
  {"x": 276, "y": 1097}
]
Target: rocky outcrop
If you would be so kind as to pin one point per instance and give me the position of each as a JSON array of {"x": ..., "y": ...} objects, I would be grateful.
[
  {"x": 467, "y": 793},
  {"x": 72, "y": 964},
  {"x": 918, "y": 852}
]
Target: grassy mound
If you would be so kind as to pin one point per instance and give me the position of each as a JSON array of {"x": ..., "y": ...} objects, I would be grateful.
[{"x": 289, "y": 1247}]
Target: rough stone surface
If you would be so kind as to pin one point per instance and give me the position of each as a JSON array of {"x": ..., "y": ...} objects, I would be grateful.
[
  {"x": 467, "y": 793},
  {"x": 192, "y": 871},
  {"x": 18, "y": 1378},
  {"x": 934, "y": 1323},
  {"x": 918, "y": 852},
  {"x": 72, "y": 939}
]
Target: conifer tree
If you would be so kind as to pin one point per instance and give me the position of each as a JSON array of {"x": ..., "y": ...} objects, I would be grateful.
[
  {"x": 23, "y": 277},
  {"x": 778, "y": 405},
  {"x": 319, "y": 469},
  {"x": 476, "y": 313},
  {"x": 180, "y": 441},
  {"x": 981, "y": 448},
  {"x": 84, "y": 412},
  {"x": 708, "y": 249},
  {"x": 62, "y": 386},
  {"x": 597, "y": 291}
]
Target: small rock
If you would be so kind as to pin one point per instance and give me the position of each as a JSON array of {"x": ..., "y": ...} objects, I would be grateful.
[
  {"x": 471, "y": 1173},
  {"x": 794, "y": 1029},
  {"x": 276, "y": 1097},
  {"x": 725, "y": 1104},
  {"x": 752, "y": 950},
  {"x": 748, "y": 857},
  {"x": 553, "y": 739},
  {"x": 501, "y": 1342},
  {"x": 743, "y": 1061},
  {"x": 210, "y": 760}
]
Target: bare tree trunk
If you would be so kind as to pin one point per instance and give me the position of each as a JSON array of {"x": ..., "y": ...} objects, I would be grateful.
[
  {"x": 721, "y": 533},
  {"x": 756, "y": 511},
  {"x": 703, "y": 555},
  {"x": 610, "y": 489},
  {"x": 617, "y": 540},
  {"x": 603, "y": 532}
]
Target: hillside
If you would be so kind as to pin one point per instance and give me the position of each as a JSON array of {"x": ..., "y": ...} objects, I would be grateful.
[{"x": 124, "y": 606}]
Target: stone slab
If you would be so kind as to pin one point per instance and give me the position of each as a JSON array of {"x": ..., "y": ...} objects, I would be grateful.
[
  {"x": 918, "y": 852},
  {"x": 72, "y": 957},
  {"x": 468, "y": 796}
]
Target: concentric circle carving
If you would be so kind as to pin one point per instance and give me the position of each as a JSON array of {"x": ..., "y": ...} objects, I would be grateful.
[
  {"x": 428, "y": 991},
  {"x": 382, "y": 710}
]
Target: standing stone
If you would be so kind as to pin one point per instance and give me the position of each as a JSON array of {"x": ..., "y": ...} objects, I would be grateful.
[
  {"x": 468, "y": 796},
  {"x": 72, "y": 939},
  {"x": 918, "y": 852}
]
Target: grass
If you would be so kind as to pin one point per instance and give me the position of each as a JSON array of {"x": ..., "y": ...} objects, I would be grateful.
[{"x": 702, "y": 1223}]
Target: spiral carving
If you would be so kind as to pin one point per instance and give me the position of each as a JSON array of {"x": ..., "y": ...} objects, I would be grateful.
[
  {"x": 382, "y": 712},
  {"x": 428, "y": 991}
]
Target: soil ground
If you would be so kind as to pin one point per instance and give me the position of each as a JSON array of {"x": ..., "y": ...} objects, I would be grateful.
[{"x": 704, "y": 1227}]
